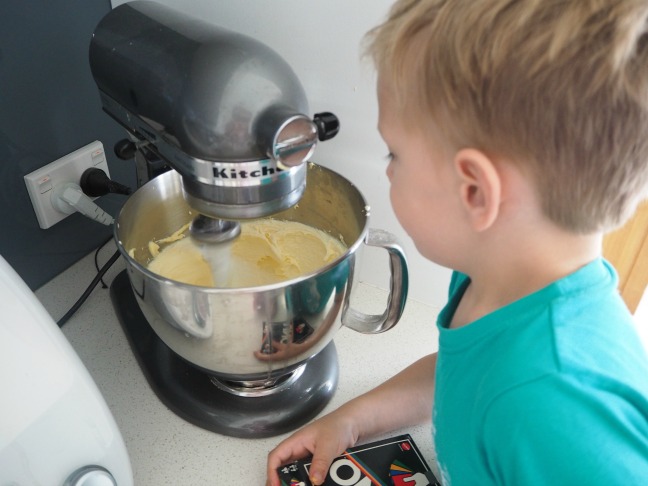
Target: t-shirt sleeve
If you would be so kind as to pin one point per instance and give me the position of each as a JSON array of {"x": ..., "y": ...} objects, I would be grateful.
[{"x": 555, "y": 432}]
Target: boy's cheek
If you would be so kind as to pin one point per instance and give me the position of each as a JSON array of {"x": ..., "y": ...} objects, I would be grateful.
[{"x": 397, "y": 204}]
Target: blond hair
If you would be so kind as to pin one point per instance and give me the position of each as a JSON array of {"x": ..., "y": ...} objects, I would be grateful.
[{"x": 558, "y": 85}]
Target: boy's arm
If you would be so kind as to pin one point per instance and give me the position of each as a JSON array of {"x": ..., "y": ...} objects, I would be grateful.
[{"x": 404, "y": 400}]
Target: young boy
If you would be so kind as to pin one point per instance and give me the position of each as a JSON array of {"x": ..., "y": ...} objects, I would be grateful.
[{"x": 518, "y": 132}]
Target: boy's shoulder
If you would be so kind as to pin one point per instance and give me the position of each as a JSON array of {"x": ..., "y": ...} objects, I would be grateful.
[
  {"x": 576, "y": 328},
  {"x": 573, "y": 375},
  {"x": 579, "y": 326}
]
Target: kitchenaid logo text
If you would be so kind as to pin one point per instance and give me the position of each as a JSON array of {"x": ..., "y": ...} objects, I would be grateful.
[{"x": 224, "y": 173}]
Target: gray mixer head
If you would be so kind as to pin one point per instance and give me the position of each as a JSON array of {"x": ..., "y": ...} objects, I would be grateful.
[{"x": 224, "y": 110}]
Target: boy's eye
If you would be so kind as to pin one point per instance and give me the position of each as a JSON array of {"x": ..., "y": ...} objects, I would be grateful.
[{"x": 389, "y": 157}]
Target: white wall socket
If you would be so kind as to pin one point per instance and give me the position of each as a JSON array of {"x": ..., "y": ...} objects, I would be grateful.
[{"x": 68, "y": 168}]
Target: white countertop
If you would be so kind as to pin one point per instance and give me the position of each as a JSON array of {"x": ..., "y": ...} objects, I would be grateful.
[{"x": 165, "y": 449}]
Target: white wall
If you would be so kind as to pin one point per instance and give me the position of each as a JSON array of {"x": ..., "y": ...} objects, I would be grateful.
[{"x": 321, "y": 40}]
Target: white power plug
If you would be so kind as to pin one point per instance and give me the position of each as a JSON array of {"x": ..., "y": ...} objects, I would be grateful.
[{"x": 69, "y": 197}]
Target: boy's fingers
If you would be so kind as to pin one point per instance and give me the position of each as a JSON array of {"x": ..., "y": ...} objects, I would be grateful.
[
  {"x": 318, "y": 472},
  {"x": 322, "y": 459},
  {"x": 283, "y": 454}
]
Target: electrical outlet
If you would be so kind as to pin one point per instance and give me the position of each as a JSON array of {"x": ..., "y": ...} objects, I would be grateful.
[{"x": 41, "y": 182}]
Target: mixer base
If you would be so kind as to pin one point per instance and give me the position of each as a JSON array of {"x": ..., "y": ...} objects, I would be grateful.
[{"x": 189, "y": 392}]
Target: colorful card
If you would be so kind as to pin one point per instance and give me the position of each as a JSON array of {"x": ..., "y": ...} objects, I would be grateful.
[{"x": 396, "y": 461}]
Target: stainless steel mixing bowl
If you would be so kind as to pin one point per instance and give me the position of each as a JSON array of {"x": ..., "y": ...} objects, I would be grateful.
[{"x": 258, "y": 333}]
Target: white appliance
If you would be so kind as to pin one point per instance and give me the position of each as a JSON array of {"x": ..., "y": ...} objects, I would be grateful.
[{"x": 55, "y": 427}]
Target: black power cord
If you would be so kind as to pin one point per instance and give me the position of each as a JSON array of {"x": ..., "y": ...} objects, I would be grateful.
[
  {"x": 94, "y": 182},
  {"x": 96, "y": 262},
  {"x": 61, "y": 322}
]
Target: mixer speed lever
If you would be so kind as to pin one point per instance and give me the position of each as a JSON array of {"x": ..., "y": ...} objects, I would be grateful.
[{"x": 328, "y": 125}]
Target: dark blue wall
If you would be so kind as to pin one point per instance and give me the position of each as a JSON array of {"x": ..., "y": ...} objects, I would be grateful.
[{"x": 49, "y": 106}]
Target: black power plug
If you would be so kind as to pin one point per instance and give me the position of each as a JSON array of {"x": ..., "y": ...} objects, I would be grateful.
[{"x": 94, "y": 183}]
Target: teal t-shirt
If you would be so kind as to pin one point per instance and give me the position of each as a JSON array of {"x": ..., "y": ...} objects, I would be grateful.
[{"x": 551, "y": 389}]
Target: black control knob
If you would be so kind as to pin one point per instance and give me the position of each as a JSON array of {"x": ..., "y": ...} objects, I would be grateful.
[
  {"x": 125, "y": 149},
  {"x": 328, "y": 125}
]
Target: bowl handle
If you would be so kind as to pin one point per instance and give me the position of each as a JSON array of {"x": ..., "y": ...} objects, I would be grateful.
[{"x": 398, "y": 285}]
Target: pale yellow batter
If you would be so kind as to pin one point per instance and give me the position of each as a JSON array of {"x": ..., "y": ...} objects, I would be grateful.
[{"x": 267, "y": 251}]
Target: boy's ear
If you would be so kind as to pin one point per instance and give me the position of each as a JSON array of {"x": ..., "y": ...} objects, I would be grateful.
[{"x": 480, "y": 187}]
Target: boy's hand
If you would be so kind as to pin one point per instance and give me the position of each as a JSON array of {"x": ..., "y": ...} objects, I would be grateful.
[
  {"x": 376, "y": 412},
  {"x": 324, "y": 439}
]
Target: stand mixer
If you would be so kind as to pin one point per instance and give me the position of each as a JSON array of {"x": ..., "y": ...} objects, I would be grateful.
[
  {"x": 227, "y": 115},
  {"x": 222, "y": 109}
]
